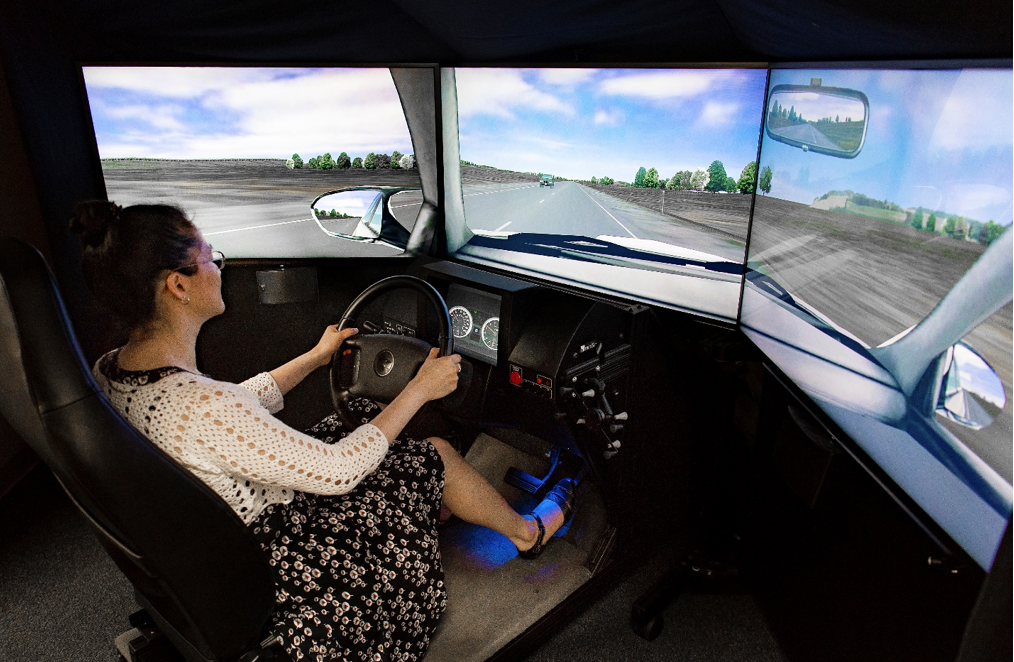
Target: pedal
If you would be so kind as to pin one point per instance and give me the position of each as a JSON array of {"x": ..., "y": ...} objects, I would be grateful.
[{"x": 523, "y": 480}]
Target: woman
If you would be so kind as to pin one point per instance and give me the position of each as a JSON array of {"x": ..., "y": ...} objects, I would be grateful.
[{"x": 348, "y": 517}]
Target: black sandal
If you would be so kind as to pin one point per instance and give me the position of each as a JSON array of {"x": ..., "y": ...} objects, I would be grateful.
[{"x": 562, "y": 495}]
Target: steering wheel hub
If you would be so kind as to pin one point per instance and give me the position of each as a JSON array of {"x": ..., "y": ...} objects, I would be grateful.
[{"x": 384, "y": 363}]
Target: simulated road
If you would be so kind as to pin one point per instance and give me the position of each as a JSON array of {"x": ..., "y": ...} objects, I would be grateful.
[
  {"x": 573, "y": 209},
  {"x": 276, "y": 221},
  {"x": 807, "y": 133}
]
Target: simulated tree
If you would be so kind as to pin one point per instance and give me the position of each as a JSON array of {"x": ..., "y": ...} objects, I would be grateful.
[
  {"x": 989, "y": 232},
  {"x": 639, "y": 177},
  {"x": 917, "y": 219},
  {"x": 716, "y": 177},
  {"x": 296, "y": 161},
  {"x": 651, "y": 179},
  {"x": 357, "y": 162},
  {"x": 956, "y": 227},
  {"x": 681, "y": 181},
  {"x": 748, "y": 178},
  {"x": 764, "y": 181},
  {"x": 343, "y": 161}
]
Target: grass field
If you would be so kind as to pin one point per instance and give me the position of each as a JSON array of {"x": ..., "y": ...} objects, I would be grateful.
[
  {"x": 728, "y": 214},
  {"x": 197, "y": 184},
  {"x": 490, "y": 175},
  {"x": 876, "y": 213},
  {"x": 846, "y": 135}
]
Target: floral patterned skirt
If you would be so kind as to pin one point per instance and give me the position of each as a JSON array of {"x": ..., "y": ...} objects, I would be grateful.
[{"x": 358, "y": 575}]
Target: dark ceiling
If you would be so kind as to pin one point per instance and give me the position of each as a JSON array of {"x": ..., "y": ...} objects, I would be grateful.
[{"x": 479, "y": 31}]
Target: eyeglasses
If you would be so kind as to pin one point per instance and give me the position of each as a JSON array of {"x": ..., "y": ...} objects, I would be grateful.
[{"x": 217, "y": 258}]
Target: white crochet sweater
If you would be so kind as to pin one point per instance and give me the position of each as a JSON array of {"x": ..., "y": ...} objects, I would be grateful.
[{"x": 226, "y": 435}]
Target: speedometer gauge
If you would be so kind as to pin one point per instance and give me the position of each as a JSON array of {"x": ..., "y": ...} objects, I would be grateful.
[
  {"x": 461, "y": 321},
  {"x": 490, "y": 331}
]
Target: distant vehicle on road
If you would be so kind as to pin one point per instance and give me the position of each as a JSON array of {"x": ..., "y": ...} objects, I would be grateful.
[{"x": 545, "y": 180}]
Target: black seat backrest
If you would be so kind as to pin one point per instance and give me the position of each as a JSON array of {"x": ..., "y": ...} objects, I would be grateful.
[{"x": 189, "y": 556}]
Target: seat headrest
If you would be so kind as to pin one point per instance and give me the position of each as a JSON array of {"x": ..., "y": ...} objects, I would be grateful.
[{"x": 36, "y": 328}]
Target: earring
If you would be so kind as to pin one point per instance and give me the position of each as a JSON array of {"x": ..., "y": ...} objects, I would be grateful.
[{"x": 186, "y": 299}]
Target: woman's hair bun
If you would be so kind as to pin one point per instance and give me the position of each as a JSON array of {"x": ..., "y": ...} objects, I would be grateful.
[{"x": 91, "y": 221}]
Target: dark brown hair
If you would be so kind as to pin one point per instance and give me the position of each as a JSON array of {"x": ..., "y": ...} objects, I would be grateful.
[{"x": 125, "y": 253}]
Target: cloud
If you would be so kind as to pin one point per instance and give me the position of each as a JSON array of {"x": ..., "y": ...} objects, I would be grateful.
[
  {"x": 716, "y": 113},
  {"x": 179, "y": 82},
  {"x": 977, "y": 113},
  {"x": 165, "y": 118},
  {"x": 266, "y": 113},
  {"x": 661, "y": 85},
  {"x": 566, "y": 77},
  {"x": 499, "y": 92},
  {"x": 610, "y": 117},
  {"x": 971, "y": 199}
]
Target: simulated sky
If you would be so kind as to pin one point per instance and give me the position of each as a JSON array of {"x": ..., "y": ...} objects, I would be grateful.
[
  {"x": 579, "y": 123},
  {"x": 942, "y": 140},
  {"x": 240, "y": 112}
]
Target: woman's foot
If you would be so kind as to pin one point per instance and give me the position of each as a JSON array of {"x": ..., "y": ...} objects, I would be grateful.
[{"x": 547, "y": 518}]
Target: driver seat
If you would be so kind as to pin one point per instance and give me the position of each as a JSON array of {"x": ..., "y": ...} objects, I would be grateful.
[{"x": 197, "y": 570}]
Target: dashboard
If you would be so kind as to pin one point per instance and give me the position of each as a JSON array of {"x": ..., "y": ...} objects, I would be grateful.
[{"x": 550, "y": 362}]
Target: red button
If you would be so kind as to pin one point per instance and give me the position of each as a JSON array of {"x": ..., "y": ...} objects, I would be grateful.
[{"x": 516, "y": 378}]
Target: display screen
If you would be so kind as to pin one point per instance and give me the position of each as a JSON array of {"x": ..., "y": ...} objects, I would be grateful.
[
  {"x": 246, "y": 150},
  {"x": 879, "y": 275},
  {"x": 630, "y": 181},
  {"x": 475, "y": 322}
]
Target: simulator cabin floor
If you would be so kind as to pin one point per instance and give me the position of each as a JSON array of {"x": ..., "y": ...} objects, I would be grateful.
[{"x": 843, "y": 580}]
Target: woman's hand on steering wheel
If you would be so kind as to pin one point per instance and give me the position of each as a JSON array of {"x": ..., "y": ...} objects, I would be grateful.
[
  {"x": 437, "y": 377},
  {"x": 330, "y": 342}
]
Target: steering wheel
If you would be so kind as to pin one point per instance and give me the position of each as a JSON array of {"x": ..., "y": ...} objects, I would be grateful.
[{"x": 379, "y": 366}]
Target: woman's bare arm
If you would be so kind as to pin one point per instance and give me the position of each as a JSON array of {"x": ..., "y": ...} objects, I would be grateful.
[
  {"x": 436, "y": 378},
  {"x": 289, "y": 375}
]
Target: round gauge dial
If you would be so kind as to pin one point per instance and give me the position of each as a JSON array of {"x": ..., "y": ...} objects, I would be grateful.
[
  {"x": 461, "y": 321},
  {"x": 490, "y": 332}
]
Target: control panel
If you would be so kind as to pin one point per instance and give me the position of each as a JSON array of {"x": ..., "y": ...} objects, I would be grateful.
[{"x": 531, "y": 381}]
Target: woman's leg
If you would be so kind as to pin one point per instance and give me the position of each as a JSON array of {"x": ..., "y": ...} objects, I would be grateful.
[{"x": 469, "y": 496}]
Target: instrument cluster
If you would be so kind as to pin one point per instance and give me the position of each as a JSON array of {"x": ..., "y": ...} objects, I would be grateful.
[{"x": 475, "y": 322}]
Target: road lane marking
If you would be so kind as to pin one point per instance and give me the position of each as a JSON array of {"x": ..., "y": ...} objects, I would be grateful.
[
  {"x": 256, "y": 227},
  {"x": 502, "y": 226},
  {"x": 581, "y": 188}
]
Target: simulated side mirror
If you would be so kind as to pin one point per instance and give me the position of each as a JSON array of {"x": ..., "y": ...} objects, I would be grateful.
[
  {"x": 355, "y": 214},
  {"x": 826, "y": 120},
  {"x": 971, "y": 393}
]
